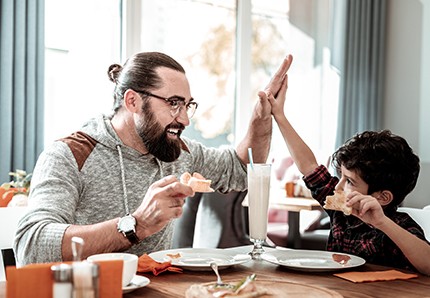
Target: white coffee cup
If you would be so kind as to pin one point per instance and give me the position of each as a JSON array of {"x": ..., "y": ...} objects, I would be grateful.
[{"x": 130, "y": 263}]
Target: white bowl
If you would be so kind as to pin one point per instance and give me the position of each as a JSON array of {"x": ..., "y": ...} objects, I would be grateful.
[{"x": 130, "y": 263}]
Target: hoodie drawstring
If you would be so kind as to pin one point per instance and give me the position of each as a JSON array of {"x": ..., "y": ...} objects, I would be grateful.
[
  {"x": 124, "y": 187},
  {"x": 160, "y": 167}
]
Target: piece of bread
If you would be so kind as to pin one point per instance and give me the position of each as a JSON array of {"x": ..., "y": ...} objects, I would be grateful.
[
  {"x": 209, "y": 290},
  {"x": 197, "y": 182},
  {"x": 337, "y": 202},
  {"x": 185, "y": 177}
]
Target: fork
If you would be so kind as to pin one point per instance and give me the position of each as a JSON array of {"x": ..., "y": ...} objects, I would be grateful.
[
  {"x": 214, "y": 267},
  {"x": 219, "y": 282}
]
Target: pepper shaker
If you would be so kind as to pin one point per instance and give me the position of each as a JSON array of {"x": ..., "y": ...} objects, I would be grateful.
[
  {"x": 85, "y": 280},
  {"x": 85, "y": 274}
]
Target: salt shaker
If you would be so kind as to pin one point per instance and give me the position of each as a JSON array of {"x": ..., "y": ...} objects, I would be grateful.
[{"x": 62, "y": 286}]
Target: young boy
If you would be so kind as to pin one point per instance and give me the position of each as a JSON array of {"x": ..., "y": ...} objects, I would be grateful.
[{"x": 377, "y": 170}]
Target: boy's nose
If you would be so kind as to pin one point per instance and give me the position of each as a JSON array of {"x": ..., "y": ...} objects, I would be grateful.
[{"x": 340, "y": 185}]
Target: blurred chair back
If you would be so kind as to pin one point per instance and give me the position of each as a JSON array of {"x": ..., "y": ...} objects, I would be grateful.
[
  {"x": 212, "y": 220},
  {"x": 421, "y": 216},
  {"x": 9, "y": 218}
]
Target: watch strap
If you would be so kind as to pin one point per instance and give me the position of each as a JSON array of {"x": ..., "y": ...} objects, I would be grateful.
[
  {"x": 132, "y": 237},
  {"x": 127, "y": 228}
]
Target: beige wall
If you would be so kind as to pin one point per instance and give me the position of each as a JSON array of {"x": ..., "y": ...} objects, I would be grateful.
[{"x": 407, "y": 92}]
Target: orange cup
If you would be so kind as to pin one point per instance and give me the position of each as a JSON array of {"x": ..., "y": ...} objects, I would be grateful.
[{"x": 289, "y": 188}]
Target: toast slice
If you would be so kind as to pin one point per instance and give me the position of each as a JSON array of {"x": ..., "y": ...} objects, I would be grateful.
[
  {"x": 337, "y": 202},
  {"x": 197, "y": 182}
]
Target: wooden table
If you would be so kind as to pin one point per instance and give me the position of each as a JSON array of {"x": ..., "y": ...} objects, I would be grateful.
[{"x": 175, "y": 285}]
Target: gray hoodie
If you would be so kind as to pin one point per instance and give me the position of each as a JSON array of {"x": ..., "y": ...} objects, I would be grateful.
[{"x": 78, "y": 180}]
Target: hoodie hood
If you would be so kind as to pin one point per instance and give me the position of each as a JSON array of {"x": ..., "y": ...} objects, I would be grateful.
[{"x": 101, "y": 130}]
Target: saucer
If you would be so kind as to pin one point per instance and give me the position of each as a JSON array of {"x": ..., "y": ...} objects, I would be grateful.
[{"x": 136, "y": 282}]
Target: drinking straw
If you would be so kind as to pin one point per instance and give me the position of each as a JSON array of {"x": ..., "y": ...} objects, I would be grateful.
[{"x": 250, "y": 158}]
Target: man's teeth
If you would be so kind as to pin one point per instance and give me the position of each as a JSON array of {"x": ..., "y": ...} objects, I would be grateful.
[{"x": 173, "y": 131}]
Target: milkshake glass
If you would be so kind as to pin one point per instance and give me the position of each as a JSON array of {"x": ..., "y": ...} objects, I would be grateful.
[{"x": 258, "y": 205}]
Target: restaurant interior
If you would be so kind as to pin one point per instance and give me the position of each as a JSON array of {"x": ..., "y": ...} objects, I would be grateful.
[{"x": 358, "y": 65}]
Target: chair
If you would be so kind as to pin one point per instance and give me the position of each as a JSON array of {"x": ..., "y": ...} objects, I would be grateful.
[
  {"x": 421, "y": 216},
  {"x": 314, "y": 229},
  {"x": 9, "y": 218},
  {"x": 212, "y": 220}
]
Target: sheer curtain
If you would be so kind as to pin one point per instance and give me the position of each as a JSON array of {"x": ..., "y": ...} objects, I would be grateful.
[
  {"x": 21, "y": 84},
  {"x": 359, "y": 51}
]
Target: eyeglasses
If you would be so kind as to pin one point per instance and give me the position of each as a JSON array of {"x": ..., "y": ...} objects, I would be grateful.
[{"x": 177, "y": 103}]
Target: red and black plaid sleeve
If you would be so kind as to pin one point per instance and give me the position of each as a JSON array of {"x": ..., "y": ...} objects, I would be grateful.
[{"x": 321, "y": 183}]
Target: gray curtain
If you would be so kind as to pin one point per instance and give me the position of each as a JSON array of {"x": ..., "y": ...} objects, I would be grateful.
[
  {"x": 358, "y": 49},
  {"x": 21, "y": 84}
]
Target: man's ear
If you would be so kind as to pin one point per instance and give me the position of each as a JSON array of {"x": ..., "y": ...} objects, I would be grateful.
[
  {"x": 385, "y": 197},
  {"x": 131, "y": 100}
]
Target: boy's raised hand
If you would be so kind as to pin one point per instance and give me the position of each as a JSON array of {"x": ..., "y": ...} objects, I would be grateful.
[{"x": 277, "y": 99}]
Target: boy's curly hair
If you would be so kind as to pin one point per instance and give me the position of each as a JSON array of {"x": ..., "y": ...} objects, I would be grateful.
[{"x": 383, "y": 160}]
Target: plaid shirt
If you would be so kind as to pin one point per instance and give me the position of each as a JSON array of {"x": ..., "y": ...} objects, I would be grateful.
[{"x": 350, "y": 235}]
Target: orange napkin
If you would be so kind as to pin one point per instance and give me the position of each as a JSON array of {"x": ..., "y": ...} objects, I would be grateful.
[
  {"x": 148, "y": 264},
  {"x": 35, "y": 280},
  {"x": 375, "y": 275}
]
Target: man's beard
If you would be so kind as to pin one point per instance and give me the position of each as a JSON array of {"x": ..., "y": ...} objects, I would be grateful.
[{"x": 155, "y": 138}]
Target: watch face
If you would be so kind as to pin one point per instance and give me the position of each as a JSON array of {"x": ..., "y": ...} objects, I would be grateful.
[{"x": 127, "y": 223}]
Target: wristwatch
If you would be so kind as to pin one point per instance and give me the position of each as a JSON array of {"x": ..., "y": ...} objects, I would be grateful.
[{"x": 127, "y": 226}]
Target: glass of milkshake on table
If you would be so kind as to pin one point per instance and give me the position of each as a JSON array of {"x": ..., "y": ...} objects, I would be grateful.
[{"x": 258, "y": 205}]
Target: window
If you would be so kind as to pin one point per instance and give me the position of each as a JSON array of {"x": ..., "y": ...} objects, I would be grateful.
[
  {"x": 205, "y": 47},
  {"x": 210, "y": 39},
  {"x": 82, "y": 40},
  {"x": 302, "y": 29}
]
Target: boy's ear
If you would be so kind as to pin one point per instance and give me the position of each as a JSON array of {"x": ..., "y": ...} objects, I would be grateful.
[{"x": 385, "y": 197}]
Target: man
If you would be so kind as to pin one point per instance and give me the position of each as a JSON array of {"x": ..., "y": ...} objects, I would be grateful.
[{"x": 115, "y": 183}]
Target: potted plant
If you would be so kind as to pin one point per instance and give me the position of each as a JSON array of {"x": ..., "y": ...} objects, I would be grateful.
[{"x": 15, "y": 192}]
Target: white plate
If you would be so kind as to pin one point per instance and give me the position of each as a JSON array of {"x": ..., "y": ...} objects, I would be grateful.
[
  {"x": 310, "y": 260},
  {"x": 136, "y": 282},
  {"x": 200, "y": 258}
]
